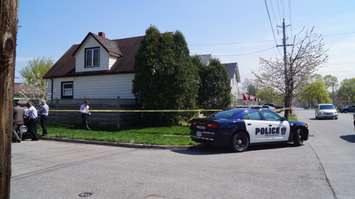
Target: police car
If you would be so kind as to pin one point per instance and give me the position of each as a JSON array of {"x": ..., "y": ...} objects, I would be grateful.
[{"x": 240, "y": 127}]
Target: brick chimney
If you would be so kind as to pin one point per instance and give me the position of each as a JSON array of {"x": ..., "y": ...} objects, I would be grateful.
[{"x": 102, "y": 34}]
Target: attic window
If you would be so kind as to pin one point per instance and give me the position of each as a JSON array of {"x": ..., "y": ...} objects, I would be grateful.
[{"x": 92, "y": 57}]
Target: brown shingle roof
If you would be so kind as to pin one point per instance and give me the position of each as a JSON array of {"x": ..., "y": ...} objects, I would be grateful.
[{"x": 124, "y": 49}]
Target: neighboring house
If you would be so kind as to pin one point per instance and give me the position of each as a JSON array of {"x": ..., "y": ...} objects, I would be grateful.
[
  {"x": 232, "y": 73},
  {"x": 97, "y": 68},
  {"x": 234, "y": 78}
]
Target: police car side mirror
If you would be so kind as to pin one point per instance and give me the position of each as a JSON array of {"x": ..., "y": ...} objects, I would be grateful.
[{"x": 283, "y": 119}]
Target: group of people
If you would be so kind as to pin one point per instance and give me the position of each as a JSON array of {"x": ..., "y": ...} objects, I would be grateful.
[{"x": 26, "y": 114}]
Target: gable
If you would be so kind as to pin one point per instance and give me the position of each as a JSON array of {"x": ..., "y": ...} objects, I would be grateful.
[{"x": 65, "y": 66}]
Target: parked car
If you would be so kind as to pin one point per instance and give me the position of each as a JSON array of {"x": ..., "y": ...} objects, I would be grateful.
[
  {"x": 240, "y": 127},
  {"x": 326, "y": 111},
  {"x": 347, "y": 108}
]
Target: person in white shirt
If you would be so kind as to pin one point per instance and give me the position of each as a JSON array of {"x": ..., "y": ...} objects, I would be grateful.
[
  {"x": 43, "y": 115},
  {"x": 32, "y": 115},
  {"x": 84, "y": 110}
]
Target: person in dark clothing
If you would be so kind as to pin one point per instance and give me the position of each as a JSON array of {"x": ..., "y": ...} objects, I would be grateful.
[
  {"x": 32, "y": 115},
  {"x": 85, "y": 113},
  {"x": 43, "y": 116},
  {"x": 18, "y": 120}
]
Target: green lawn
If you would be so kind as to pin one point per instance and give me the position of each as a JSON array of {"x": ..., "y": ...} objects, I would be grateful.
[{"x": 176, "y": 135}]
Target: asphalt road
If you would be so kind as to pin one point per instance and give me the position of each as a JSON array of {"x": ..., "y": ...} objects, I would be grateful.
[
  {"x": 334, "y": 143},
  {"x": 50, "y": 170}
]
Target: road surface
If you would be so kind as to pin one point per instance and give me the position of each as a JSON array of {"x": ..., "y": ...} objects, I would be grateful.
[
  {"x": 334, "y": 143},
  {"x": 322, "y": 168}
]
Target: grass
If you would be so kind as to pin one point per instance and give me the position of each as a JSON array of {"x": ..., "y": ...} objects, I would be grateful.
[
  {"x": 292, "y": 118},
  {"x": 176, "y": 135}
]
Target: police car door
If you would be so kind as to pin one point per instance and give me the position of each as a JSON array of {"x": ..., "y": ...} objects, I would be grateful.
[
  {"x": 278, "y": 129},
  {"x": 254, "y": 123}
]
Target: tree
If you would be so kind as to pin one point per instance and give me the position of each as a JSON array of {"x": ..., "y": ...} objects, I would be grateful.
[
  {"x": 269, "y": 95},
  {"x": 8, "y": 33},
  {"x": 315, "y": 93},
  {"x": 165, "y": 76},
  {"x": 250, "y": 86},
  {"x": 346, "y": 91},
  {"x": 215, "y": 90},
  {"x": 33, "y": 76},
  {"x": 307, "y": 53},
  {"x": 331, "y": 82}
]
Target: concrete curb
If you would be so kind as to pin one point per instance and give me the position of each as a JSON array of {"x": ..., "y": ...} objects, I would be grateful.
[{"x": 118, "y": 144}]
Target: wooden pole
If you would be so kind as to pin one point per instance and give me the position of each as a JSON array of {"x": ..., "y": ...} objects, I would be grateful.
[{"x": 8, "y": 31}]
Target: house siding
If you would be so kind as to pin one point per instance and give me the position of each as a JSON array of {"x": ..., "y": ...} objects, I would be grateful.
[
  {"x": 95, "y": 87},
  {"x": 105, "y": 62}
]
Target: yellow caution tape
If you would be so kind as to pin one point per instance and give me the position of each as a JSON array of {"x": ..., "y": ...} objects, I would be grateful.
[{"x": 142, "y": 111}]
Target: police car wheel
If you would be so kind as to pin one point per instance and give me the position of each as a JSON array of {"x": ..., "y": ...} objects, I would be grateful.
[
  {"x": 297, "y": 139},
  {"x": 240, "y": 142}
]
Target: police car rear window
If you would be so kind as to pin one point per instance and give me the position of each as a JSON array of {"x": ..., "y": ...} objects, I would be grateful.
[{"x": 227, "y": 114}]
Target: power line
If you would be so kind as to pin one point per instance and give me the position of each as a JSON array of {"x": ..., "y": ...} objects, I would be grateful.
[
  {"x": 276, "y": 17},
  {"x": 246, "y": 53},
  {"x": 231, "y": 43},
  {"x": 270, "y": 21},
  {"x": 290, "y": 15}
]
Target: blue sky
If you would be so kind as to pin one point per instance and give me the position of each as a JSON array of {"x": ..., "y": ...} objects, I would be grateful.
[{"x": 232, "y": 30}]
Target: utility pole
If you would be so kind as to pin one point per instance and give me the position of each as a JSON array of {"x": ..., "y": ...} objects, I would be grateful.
[
  {"x": 8, "y": 31},
  {"x": 287, "y": 71}
]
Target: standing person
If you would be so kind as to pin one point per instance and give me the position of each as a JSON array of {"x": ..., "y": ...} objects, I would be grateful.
[
  {"x": 43, "y": 116},
  {"x": 84, "y": 110},
  {"x": 18, "y": 120},
  {"x": 32, "y": 120}
]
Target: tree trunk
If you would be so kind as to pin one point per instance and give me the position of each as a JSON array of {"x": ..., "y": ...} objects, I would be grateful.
[{"x": 8, "y": 30}]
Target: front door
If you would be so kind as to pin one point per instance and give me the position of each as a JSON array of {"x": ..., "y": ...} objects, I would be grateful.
[
  {"x": 256, "y": 127},
  {"x": 278, "y": 129}
]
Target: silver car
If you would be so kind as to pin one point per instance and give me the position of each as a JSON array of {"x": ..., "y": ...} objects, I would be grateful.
[{"x": 326, "y": 111}]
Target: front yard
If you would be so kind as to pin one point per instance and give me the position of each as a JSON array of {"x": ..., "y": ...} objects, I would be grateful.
[{"x": 176, "y": 135}]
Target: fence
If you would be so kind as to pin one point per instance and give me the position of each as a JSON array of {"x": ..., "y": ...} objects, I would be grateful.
[{"x": 114, "y": 119}]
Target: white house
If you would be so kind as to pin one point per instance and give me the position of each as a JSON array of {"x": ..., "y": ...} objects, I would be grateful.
[
  {"x": 97, "y": 68},
  {"x": 232, "y": 73},
  {"x": 101, "y": 68}
]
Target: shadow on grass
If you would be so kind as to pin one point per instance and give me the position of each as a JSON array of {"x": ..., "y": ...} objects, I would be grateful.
[
  {"x": 348, "y": 138},
  {"x": 213, "y": 150}
]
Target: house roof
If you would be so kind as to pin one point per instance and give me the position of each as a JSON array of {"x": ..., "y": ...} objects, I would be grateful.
[
  {"x": 232, "y": 69},
  {"x": 124, "y": 49}
]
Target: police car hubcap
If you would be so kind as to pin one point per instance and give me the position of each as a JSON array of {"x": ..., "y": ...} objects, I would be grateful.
[{"x": 239, "y": 141}]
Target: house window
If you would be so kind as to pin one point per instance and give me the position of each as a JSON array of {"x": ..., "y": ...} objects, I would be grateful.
[
  {"x": 92, "y": 57},
  {"x": 67, "y": 90}
]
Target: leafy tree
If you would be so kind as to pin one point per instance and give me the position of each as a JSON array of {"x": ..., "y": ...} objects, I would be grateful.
[
  {"x": 33, "y": 74},
  {"x": 331, "y": 82},
  {"x": 315, "y": 93},
  {"x": 165, "y": 76},
  {"x": 346, "y": 91},
  {"x": 269, "y": 95},
  {"x": 146, "y": 64},
  {"x": 215, "y": 90}
]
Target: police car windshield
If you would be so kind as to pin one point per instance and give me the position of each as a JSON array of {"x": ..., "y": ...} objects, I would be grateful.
[
  {"x": 227, "y": 114},
  {"x": 327, "y": 106}
]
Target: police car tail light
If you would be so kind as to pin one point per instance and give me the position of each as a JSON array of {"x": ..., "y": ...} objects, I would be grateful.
[{"x": 212, "y": 125}]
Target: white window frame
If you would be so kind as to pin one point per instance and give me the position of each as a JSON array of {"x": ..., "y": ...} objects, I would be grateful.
[{"x": 92, "y": 64}]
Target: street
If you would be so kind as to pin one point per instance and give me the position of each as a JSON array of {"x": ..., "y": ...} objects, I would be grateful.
[{"x": 323, "y": 168}]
